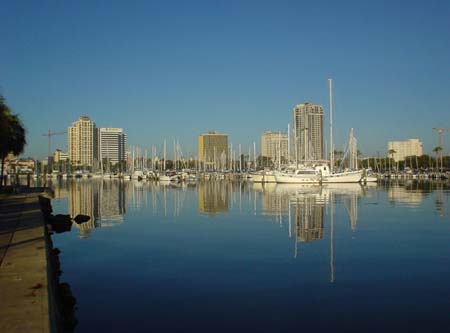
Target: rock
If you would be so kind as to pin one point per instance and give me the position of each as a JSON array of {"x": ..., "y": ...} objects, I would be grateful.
[{"x": 81, "y": 218}]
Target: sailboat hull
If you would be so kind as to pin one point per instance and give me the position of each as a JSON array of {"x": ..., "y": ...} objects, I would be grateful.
[
  {"x": 343, "y": 177},
  {"x": 284, "y": 178}
]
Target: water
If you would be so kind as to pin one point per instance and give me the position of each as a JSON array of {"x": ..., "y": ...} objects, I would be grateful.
[{"x": 223, "y": 257}]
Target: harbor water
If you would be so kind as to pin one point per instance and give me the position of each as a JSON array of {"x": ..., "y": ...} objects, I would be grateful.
[{"x": 222, "y": 256}]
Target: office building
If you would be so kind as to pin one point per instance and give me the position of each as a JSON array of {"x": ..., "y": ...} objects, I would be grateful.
[
  {"x": 80, "y": 137},
  {"x": 274, "y": 145},
  {"x": 309, "y": 131},
  {"x": 60, "y": 156},
  {"x": 410, "y": 147},
  {"x": 110, "y": 144},
  {"x": 213, "y": 150}
]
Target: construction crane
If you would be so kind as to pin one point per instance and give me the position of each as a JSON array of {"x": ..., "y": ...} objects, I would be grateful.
[
  {"x": 49, "y": 134},
  {"x": 441, "y": 140}
]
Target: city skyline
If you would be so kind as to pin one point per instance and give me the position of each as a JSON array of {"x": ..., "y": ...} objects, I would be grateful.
[{"x": 235, "y": 68}]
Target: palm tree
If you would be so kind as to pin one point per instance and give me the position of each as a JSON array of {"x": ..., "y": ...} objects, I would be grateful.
[
  {"x": 437, "y": 150},
  {"x": 391, "y": 152},
  {"x": 12, "y": 134}
]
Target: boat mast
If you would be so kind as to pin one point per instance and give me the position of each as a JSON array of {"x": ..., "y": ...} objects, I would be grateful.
[
  {"x": 254, "y": 155},
  {"x": 330, "y": 81},
  {"x": 279, "y": 150},
  {"x": 289, "y": 145},
  {"x": 164, "y": 167}
]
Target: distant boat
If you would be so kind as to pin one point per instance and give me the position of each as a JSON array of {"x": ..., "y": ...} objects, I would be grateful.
[
  {"x": 169, "y": 176},
  {"x": 137, "y": 175},
  {"x": 97, "y": 175}
]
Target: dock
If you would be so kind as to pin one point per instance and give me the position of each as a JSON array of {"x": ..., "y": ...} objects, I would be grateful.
[{"x": 24, "y": 295}]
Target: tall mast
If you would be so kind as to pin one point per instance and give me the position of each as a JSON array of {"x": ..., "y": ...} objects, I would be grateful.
[
  {"x": 164, "y": 167},
  {"x": 289, "y": 145},
  {"x": 279, "y": 150},
  {"x": 330, "y": 81},
  {"x": 240, "y": 158},
  {"x": 231, "y": 157},
  {"x": 254, "y": 155}
]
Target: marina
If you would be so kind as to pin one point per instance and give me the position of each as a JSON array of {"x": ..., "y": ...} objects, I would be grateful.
[{"x": 259, "y": 252}]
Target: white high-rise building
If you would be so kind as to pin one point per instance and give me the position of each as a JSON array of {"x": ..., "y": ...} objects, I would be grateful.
[
  {"x": 274, "y": 145},
  {"x": 402, "y": 149},
  {"x": 80, "y": 142},
  {"x": 308, "y": 130},
  {"x": 111, "y": 144}
]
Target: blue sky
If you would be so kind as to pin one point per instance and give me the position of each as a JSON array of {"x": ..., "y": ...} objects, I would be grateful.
[{"x": 176, "y": 69}]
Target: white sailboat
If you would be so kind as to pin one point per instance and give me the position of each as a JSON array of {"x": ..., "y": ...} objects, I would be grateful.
[
  {"x": 263, "y": 176},
  {"x": 300, "y": 175},
  {"x": 353, "y": 174}
]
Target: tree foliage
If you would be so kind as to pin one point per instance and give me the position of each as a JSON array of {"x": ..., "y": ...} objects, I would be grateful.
[{"x": 12, "y": 133}]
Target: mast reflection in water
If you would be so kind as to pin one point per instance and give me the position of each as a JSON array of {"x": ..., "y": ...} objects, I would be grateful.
[{"x": 221, "y": 256}]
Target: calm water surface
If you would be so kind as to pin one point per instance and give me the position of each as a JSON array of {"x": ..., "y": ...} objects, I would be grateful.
[{"x": 226, "y": 256}]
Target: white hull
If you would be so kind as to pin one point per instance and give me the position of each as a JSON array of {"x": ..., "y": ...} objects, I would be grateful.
[
  {"x": 268, "y": 177},
  {"x": 164, "y": 178},
  {"x": 287, "y": 178},
  {"x": 343, "y": 177},
  {"x": 96, "y": 175},
  {"x": 371, "y": 179}
]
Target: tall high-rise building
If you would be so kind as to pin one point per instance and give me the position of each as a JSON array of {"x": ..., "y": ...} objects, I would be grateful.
[
  {"x": 410, "y": 147},
  {"x": 274, "y": 145},
  {"x": 309, "y": 131},
  {"x": 111, "y": 144},
  {"x": 213, "y": 149},
  {"x": 80, "y": 137}
]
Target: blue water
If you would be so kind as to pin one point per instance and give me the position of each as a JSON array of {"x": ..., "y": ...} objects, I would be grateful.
[{"x": 237, "y": 257}]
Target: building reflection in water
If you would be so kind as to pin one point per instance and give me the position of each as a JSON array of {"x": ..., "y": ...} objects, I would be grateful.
[
  {"x": 103, "y": 200},
  {"x": 408, "y": 196},
  {"x": 308, "y": 216},
  {"x": 213, "y": 197},
  {"x": 411, "y": 193},
  {"x": 308, "y": 208}
]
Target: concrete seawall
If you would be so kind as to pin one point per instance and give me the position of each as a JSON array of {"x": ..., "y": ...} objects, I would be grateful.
[
  {"x": 32, "y": 298},
  {"x": 24, "y": 305}
]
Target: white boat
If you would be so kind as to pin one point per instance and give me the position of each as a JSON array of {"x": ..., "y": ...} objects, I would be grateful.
[
  {"x": 170, "y": 176},
  {"x": 304, "y": 175},
  {"x": 137, "y": 175},
  {"x": 350, "y": 176},
  {"x": 263, "y": 176},
  {"x": 96, "y": 175}
]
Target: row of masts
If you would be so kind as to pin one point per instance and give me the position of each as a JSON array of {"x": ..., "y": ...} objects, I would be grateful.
[{"x": 227, "y": 161}]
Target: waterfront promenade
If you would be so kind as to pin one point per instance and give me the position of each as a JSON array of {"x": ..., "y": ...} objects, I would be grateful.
[{"x": 24, "y": 305}]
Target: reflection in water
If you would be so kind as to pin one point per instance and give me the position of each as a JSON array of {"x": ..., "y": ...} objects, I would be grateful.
[
  {"x": 408, "y": 196},
  {"x": 213, "y": 197},
  {"x": 305, "y": 205},
  {"x": 104, "y": 201},
  {"x": 275, "y": 246},
  {"x": 309, "y": 213}
]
